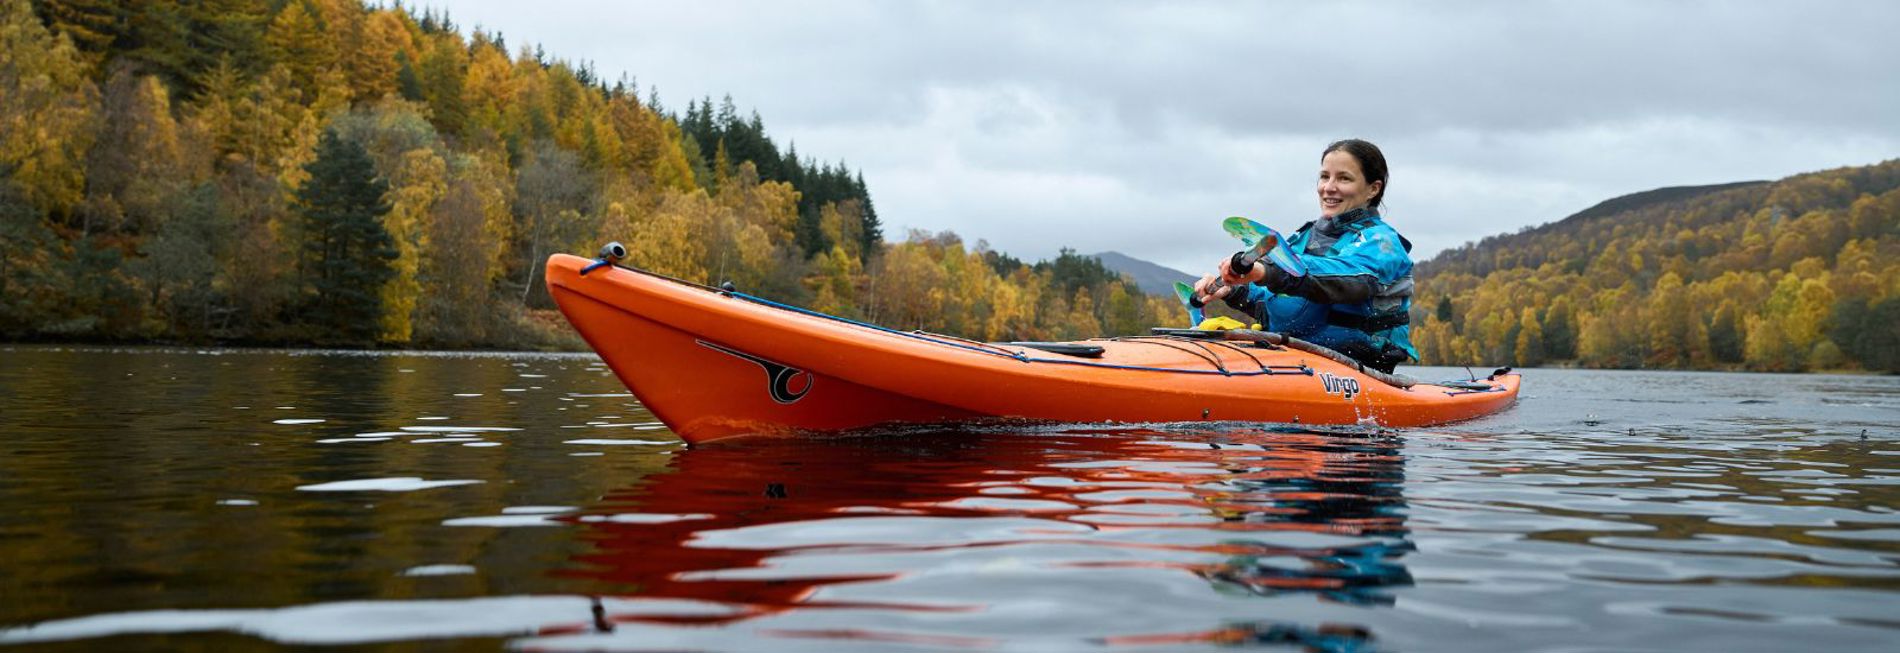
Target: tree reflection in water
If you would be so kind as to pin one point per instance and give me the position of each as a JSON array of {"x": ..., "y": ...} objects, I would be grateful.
[{"x": 738, "y": 524}]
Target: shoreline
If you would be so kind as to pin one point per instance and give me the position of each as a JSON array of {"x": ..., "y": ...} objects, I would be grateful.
[{"x": 316, "y": 349}]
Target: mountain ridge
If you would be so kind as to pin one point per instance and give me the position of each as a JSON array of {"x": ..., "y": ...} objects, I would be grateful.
[
  {"x": 1153, "y": 278},
  {"x": 1605, "y": 209}
]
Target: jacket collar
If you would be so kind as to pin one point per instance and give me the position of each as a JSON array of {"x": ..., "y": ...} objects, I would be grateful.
[
  {"x": 1356, "y": 215},
  {"x": 1338, "y": 224}
]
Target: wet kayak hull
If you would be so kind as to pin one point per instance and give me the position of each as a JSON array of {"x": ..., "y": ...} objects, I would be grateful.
[{"x": 714, "y": 365}]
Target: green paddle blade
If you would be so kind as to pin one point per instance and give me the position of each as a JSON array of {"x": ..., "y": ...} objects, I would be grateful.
[
  {"x": 1186, "y": 293},
  {"x": 1249, "y": 232},
  {"x": 1263, "y": 242}
]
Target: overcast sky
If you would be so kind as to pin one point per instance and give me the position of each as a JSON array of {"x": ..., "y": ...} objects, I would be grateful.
[{"x": 1137, "y": 126}]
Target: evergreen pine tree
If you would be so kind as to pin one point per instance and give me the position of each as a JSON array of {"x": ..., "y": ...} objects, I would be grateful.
[
  {"x": 1879, "y": 343},
  {"x": 728, "y": 118},
  {"x": 747, "y": 141},
  {"x": 810, "y": 233},
  {"x": 792, "y": 168},
  {"x": 227, "y": 28},
  {"x": 346, "y": 251},
  {"x": 1725, "y": 335},
  {"x": 1560, "y": 331},
  {"x": 699, "y": 125},
  {"x": 1864, "y": 331},
  {"x": 407, "y": 83},
  {"x": 441, "y": 73},
  {"x": 93, "y": 25},
  {"x": 873, "y": 233}
]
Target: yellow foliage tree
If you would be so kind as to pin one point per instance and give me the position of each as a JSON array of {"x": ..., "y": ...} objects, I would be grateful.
[
  {"x": 139, "y": 159},
  {"x": 373, "y": 65},
  {"x": 903, "y": 287},
  {"x": 1768, "y": 348},
  {"x": 1079, "y": 322},
  {"x": 1529, "y": 349},
  {"x": 47, "y": 110},
  {"x": 413, "y": 191},
  {"x": 490, "y": 89},
  {"x": 297, "y": 40},
  {"x": 834, "y": 281},
  {"x": 665, "y": 241}
]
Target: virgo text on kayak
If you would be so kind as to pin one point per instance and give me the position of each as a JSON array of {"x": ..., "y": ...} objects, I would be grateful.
[{"x": 1339, "y": 385}]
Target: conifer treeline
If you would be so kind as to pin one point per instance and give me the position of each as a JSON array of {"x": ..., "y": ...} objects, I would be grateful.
[
  {"x": 1799, "y": 274},
  {"x": 324, "y": 171}
]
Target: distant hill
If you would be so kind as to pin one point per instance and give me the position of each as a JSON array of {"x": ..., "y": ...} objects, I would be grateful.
[
  {"x": 1634, "y": 201},
  {"x": 1615, "y": 206},
  {"x": 1791, "y": 275},
  {"x": 1152, "y": 278}
]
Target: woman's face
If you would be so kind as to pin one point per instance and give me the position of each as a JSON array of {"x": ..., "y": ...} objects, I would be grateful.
[{"x": 1342, "y": 187}]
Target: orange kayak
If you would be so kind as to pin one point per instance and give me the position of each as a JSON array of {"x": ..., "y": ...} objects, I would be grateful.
[{"x": 714, "y": 364}]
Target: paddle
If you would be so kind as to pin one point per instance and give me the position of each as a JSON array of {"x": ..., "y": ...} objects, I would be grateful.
[
  {"x": 1260, "y": 241},
  {"x": 1263, "y": 241},
  {"x": 1186, "y": 293}
]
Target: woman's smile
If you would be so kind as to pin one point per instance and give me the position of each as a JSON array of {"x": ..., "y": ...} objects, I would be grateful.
[{"x": 1342, "y": 184}]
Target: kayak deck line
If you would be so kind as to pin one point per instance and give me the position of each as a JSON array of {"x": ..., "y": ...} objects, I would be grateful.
[
  {"x": 994, "y": 348},
  {"x": 1025, "y": 357}
]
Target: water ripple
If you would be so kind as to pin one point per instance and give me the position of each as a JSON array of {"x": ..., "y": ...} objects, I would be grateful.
[{"x": 1608, "y": 511}]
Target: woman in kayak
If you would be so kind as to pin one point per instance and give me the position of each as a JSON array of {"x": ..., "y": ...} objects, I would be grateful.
[{"x": 1356, "y": 294}]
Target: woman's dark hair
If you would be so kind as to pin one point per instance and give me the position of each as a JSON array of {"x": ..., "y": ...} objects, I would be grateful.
[{"x": 1371, "y": 162}]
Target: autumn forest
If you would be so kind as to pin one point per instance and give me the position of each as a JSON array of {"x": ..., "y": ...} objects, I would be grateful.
[
  {"x": 1802, "y": 274},
  {"x": 335, "y": 173}
]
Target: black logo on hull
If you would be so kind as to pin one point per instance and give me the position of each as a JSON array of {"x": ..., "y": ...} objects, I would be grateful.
[
  {"x": 1339, "y": 385},
  {"x": 779, "y": 377}
]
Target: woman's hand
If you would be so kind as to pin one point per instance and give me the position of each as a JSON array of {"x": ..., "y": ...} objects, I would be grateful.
[
  {"x": 1210, "y": 288},
  {"x": 1234, "y": 277}
]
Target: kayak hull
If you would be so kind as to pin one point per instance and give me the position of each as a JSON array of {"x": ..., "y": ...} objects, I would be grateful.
[
  {"x": 713, "y": 365},
  {"x": 700, "y": 387}
]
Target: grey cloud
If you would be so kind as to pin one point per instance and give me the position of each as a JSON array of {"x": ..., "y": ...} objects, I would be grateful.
[
  {"x": 1276, "y": 66},
  {"x": 1126, "y": 125}
]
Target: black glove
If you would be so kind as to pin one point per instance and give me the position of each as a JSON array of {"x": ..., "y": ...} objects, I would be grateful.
[
  {"x": 1275, "y": 279},
  {"x": 1239, "y": 299},
  {"x": 1239, "y": 265},
  {"x": 1377, "y": 353},
  {"x": 1279, "y": 281}
]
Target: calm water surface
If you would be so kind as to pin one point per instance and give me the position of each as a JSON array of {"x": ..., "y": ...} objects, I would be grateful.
[{"x": 247, "y": 500}]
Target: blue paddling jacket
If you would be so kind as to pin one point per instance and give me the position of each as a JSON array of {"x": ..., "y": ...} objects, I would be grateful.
[{"x": 1356, "y": 296}]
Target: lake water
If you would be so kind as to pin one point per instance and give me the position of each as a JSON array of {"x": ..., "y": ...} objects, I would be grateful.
[{"x": 255, "y": 500}]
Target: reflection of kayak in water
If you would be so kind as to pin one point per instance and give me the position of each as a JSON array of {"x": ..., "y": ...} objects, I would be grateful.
[
  {"x": 941, "y": 534},
  {"x": 714, "y": 364},
  {"x": 927, "y": 540}
]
